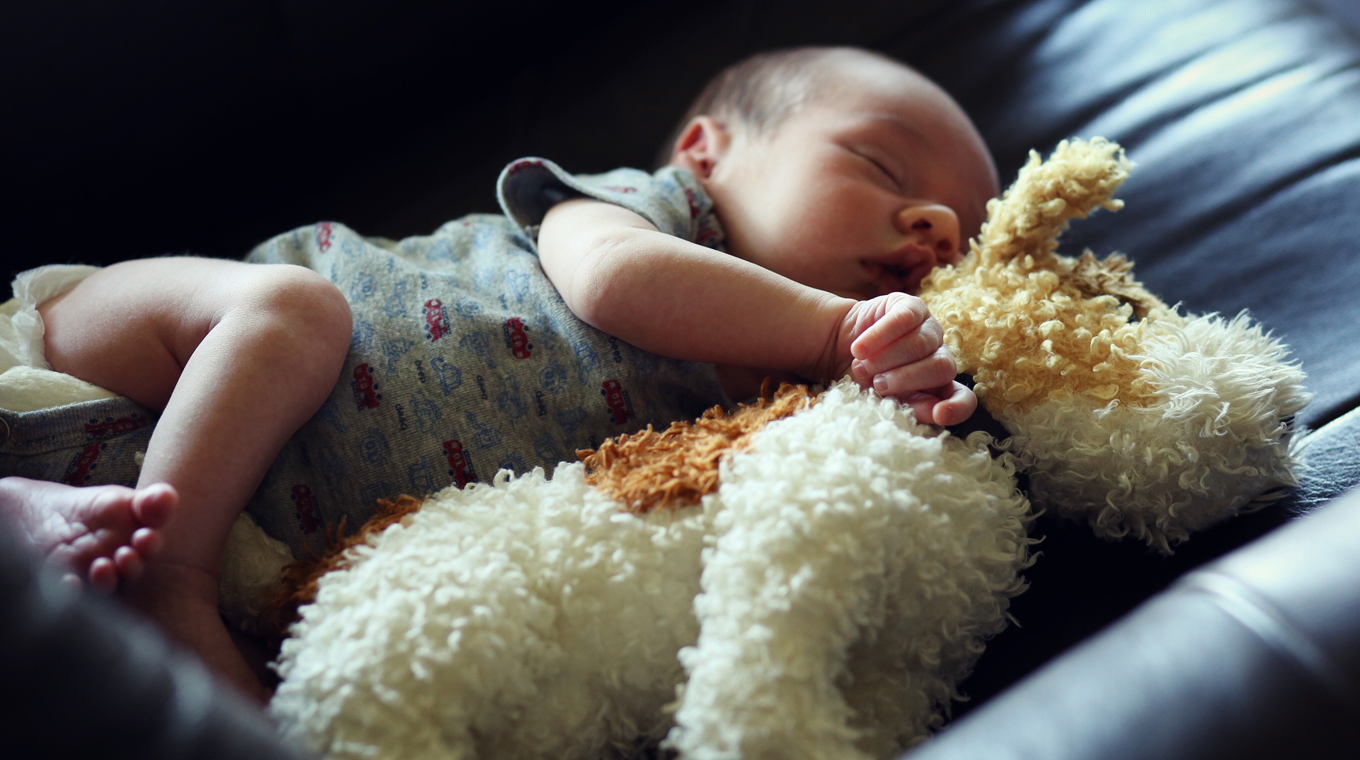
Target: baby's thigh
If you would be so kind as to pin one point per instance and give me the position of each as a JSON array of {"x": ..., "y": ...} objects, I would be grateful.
[{"x": 132, "y": 326}]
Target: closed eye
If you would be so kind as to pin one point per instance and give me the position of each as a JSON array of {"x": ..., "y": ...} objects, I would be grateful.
[{"x": 882, "y": 169}]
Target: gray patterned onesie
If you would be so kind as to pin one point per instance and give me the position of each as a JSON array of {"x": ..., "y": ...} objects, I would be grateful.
[{"x": 464, "y": 360}]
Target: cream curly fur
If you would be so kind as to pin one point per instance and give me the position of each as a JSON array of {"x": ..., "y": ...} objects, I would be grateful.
[
  {"x": 827, "y": 599},
  {"x": 1127, "y": 413},
  {"x": 825, "y": 602}
]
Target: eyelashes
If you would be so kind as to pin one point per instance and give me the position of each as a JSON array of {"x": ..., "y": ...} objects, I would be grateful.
[{"x": 881, "y": 169}]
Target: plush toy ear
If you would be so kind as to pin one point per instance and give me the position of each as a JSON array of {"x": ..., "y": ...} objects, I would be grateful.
[
  {"x": 1078, "y": 178},
  {"x": 1027, "y": 324}
]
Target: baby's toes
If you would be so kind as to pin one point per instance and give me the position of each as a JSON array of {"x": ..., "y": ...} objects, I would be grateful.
[
  {"x": 109, "y": 509},
  {"x": 103, "y": 575},
  {"x": 128, "y": 562},
  {"x": 153, "y": 505},
  {"x": 147, "y": 542}
]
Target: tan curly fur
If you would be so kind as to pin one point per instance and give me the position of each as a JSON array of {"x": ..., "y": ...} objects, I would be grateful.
[
  {"x": 1030, "y": 325},
  {"x": 647, "y": 470},
  {"x": 643, "y": 471}
]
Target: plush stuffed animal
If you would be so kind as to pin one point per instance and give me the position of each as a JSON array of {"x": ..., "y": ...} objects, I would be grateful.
[{"x": 810, "y": 576}]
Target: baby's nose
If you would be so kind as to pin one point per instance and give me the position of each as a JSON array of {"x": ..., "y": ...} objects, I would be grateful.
[{"x": 935, "y": 226}]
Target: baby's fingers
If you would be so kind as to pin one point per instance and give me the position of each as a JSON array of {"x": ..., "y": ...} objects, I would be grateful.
[
  {"x": 919, "y": 344},
  {"x": 957, "y": 404},
  {"x": 950, "y": 405},
  {"x": 899, "y": 314},
  {"x": 934, "y": 371}
]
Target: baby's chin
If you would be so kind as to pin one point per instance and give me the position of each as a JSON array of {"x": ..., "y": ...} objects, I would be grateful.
[{"x": 909, "y": 283}]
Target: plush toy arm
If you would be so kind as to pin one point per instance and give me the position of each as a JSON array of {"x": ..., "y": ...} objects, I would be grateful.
[
  {"x": 780, "y": 590},
  {"x": 861, "y": 561},
  {"x": 1073, "y": 182},
  {"x": 1212, "y": 439}
]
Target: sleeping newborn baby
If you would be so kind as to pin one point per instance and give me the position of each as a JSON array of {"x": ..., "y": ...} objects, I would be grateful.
[{"x": 806, "y": 195}]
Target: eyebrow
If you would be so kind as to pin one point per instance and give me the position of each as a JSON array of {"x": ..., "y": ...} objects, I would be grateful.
[{"x": 898, "y": 125}]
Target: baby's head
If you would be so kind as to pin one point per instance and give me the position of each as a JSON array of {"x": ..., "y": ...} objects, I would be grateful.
[{"x": 839, "y": 168}]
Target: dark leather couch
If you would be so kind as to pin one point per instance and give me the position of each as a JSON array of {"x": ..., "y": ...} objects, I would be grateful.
[{"x": 173, "y": 127}]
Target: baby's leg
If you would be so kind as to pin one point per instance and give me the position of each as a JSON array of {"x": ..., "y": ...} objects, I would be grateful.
[
  {"x": 238, "y": 356},
  {"x": 98, "y": 533}
]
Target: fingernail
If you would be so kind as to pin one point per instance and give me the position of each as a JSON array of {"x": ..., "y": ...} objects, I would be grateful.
[{"x": 881, "y": 384}]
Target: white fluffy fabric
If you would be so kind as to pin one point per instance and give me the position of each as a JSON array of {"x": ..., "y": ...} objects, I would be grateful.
[
  {"x": 250, "y": 574},
  {"x": 846, "y": 573},
  {"x": 1217, "y": 438},
  {"x": 27, "y": 389}
]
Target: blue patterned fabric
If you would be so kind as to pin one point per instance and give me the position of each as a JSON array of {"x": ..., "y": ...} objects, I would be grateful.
[{"x": 464, "y": 360}]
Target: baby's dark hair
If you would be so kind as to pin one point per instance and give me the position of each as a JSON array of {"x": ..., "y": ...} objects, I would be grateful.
[{"x": 761, "y": 91}]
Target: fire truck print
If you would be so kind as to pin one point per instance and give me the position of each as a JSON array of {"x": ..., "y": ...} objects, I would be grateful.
[
  {"x": 110, "y": 426},
  {"x": 306, "y": 509},
  {"x": 517, "y": 337},
  {"x": 436, "y": 319},
  {"x": 620, "y": 407},
  {"x": 323, "y": 236},
  {"x": 460, "y": 466},
  {"x": 365, "y": 390},
  {"x": 79, "y": 470}
]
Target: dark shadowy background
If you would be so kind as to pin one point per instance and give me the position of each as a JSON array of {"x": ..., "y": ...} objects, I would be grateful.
[
  {"x": 156, "y": 127},
  {"x": 138, "y": 129}
]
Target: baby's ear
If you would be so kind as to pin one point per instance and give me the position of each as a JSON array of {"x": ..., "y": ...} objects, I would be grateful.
[
  {"x": 1079, "y": 177},
  {"x": 702, "y": 144}
]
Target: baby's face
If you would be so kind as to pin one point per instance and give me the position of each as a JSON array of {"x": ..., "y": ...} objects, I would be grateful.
[{"x": 863, "y": 190}]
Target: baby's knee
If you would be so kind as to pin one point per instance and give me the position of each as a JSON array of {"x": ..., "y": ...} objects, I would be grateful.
[{"x": 311, "y": 305}]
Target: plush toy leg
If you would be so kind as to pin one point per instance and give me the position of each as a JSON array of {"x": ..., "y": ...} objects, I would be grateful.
[
  {"x": 525, "y": 618},
  {"x": 851, "y": 542}
]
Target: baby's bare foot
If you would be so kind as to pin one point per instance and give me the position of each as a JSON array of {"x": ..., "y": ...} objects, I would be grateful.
[{"x": 98, "y": 533}]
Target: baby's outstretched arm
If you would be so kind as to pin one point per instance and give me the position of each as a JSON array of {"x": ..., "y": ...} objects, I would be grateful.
[{"x": 617, "y": 272}]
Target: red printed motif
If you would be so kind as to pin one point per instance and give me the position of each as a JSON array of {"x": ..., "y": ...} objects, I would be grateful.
[
  {"x": 517, "y": 337},
  {"x": 436, "y": 319},
  {"x": 79, "y": 471},
  {"x": 365, "y": 390},
  {"x": 620, "y": 406},
  {"x": 460, "y": 466},
  {"x": 323, "y": 236},
  {"x": 115, "y": 427},
  {"x": 693, "y": 203},
  {"x": 520, "y": 166},
  {"x": 306, "y": 509}
]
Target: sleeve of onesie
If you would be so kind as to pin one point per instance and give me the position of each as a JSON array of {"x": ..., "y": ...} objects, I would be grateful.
[{"x": 671, "y": 199}]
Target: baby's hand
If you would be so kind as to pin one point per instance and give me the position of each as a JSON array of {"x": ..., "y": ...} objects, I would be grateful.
[{"x": 898, "y": 348}]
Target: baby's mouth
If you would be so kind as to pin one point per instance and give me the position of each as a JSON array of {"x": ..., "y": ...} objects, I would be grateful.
[{"x": 902, "y": 273}]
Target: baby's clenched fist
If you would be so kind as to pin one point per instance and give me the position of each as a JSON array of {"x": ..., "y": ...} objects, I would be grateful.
[{"x": 897, "y": 348}]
